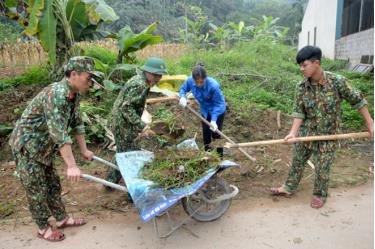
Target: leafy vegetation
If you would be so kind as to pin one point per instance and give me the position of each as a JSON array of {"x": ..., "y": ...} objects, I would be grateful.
[
  {"x": 58, "y": 24},
  {"x": 34, "y": 75},
  {"x": 248, "y": 56},
  {"x": 264, "y": 73},
  {"x": 266, "y": 77},
  {"x": 175, "y": 15},
  {"x": 175, "y": 169},
  {"x": 129, "y": 42},
  {"x": 9, "y": 32}
]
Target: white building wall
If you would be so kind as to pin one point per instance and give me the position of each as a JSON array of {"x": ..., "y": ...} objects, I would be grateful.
[
  {"x": 353, "y": 46},
  {"x": 322, "y": 15}
]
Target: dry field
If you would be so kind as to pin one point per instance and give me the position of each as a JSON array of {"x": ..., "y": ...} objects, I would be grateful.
[{"x": 25, "y": 54}]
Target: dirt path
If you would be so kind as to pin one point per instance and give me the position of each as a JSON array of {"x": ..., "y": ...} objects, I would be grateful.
[{"x": 347, "y": 221}]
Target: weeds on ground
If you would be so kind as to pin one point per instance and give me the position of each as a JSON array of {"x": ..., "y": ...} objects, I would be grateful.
[
  {"x": 266, "y": 74},
  {"x": 32, "y": 76}
]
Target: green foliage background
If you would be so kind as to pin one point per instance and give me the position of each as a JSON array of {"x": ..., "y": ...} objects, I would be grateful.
[{"x": 252, "y": 74}]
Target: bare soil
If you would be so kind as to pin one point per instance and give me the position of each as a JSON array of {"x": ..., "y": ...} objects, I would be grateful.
[
  {"x": 345, "y": 222},
  {"x": 11, "y": 71}
]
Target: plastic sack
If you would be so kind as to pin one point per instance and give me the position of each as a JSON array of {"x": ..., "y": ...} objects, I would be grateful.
[{"x": 188, "y": 144}]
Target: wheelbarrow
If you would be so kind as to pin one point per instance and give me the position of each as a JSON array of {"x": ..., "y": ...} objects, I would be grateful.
[{"x": 209, "y": 201}]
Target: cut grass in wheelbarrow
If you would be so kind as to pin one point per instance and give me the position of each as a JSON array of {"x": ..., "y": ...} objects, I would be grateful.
[{"x": 174, "y": 169}]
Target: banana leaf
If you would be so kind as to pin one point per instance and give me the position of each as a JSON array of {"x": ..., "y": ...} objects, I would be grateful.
[
  {"x": 47, "y": 34},
  {"x": 36, "y": 11},
  {"x": 130, "y": 42}
]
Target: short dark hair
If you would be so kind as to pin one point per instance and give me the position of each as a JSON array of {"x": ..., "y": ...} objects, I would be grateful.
[
  {"x": 309, "y": 53},
  {"x": 69, "y": 72},
  {"x": 199, "y": 72}
]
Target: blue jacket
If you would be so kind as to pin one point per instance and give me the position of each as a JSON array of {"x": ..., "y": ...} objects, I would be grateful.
[{"x": 209, "y": 96}]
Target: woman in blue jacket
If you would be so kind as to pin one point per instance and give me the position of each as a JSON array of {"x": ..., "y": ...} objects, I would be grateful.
[{"x": 212, "y": 104}]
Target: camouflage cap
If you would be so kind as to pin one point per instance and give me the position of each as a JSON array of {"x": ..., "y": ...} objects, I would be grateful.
[
  {"x": 84, "y": 64},
  {"x": 155, "y": 65}
]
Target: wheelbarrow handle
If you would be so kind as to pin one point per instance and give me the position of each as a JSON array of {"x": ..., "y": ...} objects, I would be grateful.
[
  {"x": 101, "y": 160},
  {"x": 104, "y": 182}
]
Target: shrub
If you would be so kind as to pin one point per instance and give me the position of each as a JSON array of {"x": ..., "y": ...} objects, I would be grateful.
[
  {"x": 105, "y": 55},
  {"x": 334, "y": 65},
  {"x": 33, "y": 75}
]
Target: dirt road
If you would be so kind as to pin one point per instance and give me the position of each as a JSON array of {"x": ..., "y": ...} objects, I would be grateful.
[{"x": 347, "y": 221}]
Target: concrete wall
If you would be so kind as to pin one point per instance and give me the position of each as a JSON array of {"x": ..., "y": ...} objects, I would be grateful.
[
  {"x": 353, "y": 46},
  {"x": 321, "y": 14}
]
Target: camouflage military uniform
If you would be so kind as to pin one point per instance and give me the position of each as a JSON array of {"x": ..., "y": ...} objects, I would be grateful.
[
  {"x": 126, "y": 117},
  {"x": 38, "y": 135},
  {"x": 319, "y": 106}
]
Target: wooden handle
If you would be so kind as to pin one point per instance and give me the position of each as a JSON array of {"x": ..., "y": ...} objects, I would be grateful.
[
  {"x": 160, "y": 99},
  {"x": 301, "y": 139}
]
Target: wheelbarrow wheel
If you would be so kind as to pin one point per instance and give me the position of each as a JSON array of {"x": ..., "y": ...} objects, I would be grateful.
[{"x": 195, "y": 206}]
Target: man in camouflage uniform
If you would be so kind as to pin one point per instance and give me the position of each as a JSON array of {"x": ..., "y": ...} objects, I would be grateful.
[
  {"x": 128, "y": 108},
  {"x": 317, "y": 111},
  {"x": 43, "y": 131}
]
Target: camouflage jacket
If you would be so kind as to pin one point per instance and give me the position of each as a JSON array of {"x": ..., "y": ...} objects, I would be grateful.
[
  {"x": 319, "y": 105},
  {"x": 46, "y": 122},
  {"x": 130, "y": 103}
]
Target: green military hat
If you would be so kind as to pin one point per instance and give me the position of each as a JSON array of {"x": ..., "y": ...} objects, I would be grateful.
[
  {"x": 84, "y": 64},
  {"x": 155, "y": 65}
]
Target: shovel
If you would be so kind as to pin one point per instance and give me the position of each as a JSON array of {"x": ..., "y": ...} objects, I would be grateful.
[{"x": 220, "y": 133}]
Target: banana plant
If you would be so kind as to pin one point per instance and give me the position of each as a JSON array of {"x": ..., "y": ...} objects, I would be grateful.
[
  {"x": 128, "y": 42},
  {"x": 268, "y": 30},
  {"x": 108, "y": 71},
  {"x": 58, "y": 24},
  {"x": 237, "y": 30},
  {"x": 221, "y": 34}
]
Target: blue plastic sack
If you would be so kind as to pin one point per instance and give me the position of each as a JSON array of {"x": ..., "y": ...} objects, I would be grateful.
[{"x": 150, "y": 199}]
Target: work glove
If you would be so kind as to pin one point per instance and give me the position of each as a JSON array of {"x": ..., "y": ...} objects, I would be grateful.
[
  {"x": 213, "y": 126},
  {"x": 183, "y": 102}
]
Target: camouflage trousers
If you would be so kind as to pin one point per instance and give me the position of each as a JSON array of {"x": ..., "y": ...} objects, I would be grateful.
[
  {"x": 124, "y": 139},
  {"x": 323, "y": 161},
  {"x": 43, "y": 190}
]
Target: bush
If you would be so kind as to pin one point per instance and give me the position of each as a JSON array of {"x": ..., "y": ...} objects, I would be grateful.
[
  {"x": 33, "y": 75},
  {"x": 9, "y": 31},
  {"x": 334, "y": 65},
  {"x": 105, "y": 55}
]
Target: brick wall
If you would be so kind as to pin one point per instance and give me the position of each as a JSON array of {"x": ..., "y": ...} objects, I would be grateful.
[{"x": 353, "y": 46}]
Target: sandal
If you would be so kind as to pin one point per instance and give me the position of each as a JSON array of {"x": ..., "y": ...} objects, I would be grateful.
[
  {"x": 277, "y": 192},
  {"x": 317, "y": 202},
  {"x": 55, "y": 236},
  {"x": 76, "y": 222}
]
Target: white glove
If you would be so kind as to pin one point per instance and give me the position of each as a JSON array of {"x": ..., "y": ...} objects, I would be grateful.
[
  {"x": 213, "y": 126},
  {"x": 183, "y": 102}
]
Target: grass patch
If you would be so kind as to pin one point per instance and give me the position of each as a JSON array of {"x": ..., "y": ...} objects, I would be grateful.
[
  {"x": 265, "y": 74},
  {"x": 32, "y": 76},
  {"x": 6, "y": 209},
  {"x": 105, "y": 55}
]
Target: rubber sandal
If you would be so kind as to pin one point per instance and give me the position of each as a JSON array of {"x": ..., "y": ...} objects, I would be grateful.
[
  {"x": 317, "y": 202},
  {"x": 55, "y": 236},
  {"x": 76, "y": 222},
  {"x": 277, "y": 192}
]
